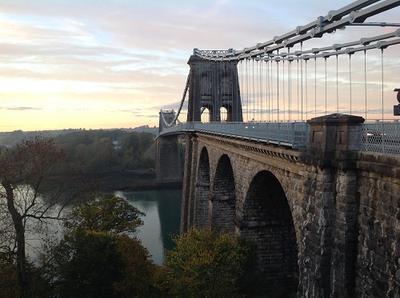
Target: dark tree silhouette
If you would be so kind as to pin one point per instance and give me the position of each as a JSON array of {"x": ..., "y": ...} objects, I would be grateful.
[{"x": 23, "y": 172}]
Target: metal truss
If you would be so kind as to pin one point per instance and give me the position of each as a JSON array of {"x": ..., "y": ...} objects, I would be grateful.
[{"x": 353, "y": 14}]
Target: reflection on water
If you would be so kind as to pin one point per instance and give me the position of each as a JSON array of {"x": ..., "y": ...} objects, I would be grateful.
[{"x": 162, "y": 209}]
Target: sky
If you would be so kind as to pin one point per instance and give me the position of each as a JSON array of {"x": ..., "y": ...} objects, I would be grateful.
[{"x": 115, "y": 63}]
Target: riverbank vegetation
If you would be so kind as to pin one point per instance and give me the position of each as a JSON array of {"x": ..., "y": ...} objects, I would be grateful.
[
  {"x": 109, "y": 159},
  {"x": 97, "y": 253},
  {"x": 99, "y": 256}
]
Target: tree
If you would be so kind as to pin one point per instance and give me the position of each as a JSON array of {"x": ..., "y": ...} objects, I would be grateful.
[
  {"x": 8, "y": 278},
  {"x": 86, "y": 264},
  {"x": 23, "y": 172},
  {"x": 208, "y": 264},
  {"x": 97, "y": 258},
  {"x": 100, "y": 264},
  {"x": 108, "y": 214},
  {"x": 137, "y": 271}
]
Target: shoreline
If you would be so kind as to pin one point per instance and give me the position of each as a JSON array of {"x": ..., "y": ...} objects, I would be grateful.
[{"x": 129, "y": 183}]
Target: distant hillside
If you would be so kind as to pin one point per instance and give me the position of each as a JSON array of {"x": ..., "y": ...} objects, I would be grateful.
[
  {"x": 8, "y": 139},
  {"x": 111, "y": 158}
]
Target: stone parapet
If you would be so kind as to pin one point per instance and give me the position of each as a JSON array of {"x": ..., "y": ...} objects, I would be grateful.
[{"x": 333, "y": 138}]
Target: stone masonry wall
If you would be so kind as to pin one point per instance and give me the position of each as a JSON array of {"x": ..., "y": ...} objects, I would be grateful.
[
  {"x": 378, "y": 253},
  {"x": 168, "y": 160},
  {"x": 345, "y": 210},
  {"x": 202, "y": 191}
]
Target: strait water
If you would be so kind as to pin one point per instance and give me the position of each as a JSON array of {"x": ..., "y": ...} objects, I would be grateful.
[{"x": 162, "y": 210}]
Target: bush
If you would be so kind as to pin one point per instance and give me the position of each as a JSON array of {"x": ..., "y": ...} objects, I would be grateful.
[
  {"x": 136, "y": 269},
  {"x": 207, "y": 264},
  {"x": 97, "y": 258},
  {"x": 108, "y": 214},
  {"x": 8, "y": 279},
  {"x": 9, "y": 287},
  {"x": 99, "y": 264}
]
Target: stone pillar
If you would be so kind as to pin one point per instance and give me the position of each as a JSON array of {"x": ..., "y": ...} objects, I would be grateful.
[
  {"x": 334, "y": 140},
  {"x": 188, "y": 182},
  {"x": 168, "y": 160},
  {"x": 193, "y": 178},
  {"x": 344, "y": 256}
]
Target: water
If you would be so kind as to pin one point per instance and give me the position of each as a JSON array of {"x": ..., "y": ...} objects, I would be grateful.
[{"x": 162, "y": 210}]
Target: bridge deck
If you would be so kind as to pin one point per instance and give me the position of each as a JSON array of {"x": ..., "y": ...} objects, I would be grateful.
[
  {"x": 292, "y": 135},
  {"x": 378, "y": 137}
]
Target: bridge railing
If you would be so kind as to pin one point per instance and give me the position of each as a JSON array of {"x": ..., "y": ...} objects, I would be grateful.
[
  {"x": 381, "y": 137},
  {"x": 289, "y": 134},
  {"x": 376, "y": 137}
]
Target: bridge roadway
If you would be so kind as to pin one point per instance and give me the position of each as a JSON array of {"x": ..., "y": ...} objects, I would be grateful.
[
  {"x": 292, "y": 135},
  {"x": 378, "y": 136},
  {"x": 325, "y": 217}
]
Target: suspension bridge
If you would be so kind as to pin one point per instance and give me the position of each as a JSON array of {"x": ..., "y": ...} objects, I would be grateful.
[{"x": 294, "y": 144}]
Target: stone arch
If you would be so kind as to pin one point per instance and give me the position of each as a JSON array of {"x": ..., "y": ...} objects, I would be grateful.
[
  {"x": 222, "y": 204},
  {"x": 202, "y": 194},
  {"x": 266, "y": 220}
]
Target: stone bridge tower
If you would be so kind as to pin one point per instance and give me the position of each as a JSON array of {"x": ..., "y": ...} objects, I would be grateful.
[
  {"x": 169, "y": 168},
  {"x": 214, "y": 85}
]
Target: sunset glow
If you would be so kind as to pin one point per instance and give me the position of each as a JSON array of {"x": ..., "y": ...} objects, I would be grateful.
[{"x": 111, "y": 64}]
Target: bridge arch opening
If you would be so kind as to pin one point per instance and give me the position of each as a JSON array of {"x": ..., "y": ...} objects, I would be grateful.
[
  {"x": 224, "y": 114},
  {"x": 205, "y": 115},
  {"x": 222, "y": 204},
  {"x": 267, "y": 222},
  {"x": 202, "y": 194}
]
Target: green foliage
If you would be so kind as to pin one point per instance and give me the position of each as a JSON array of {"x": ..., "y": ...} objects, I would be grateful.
[
  {"x": 9, "y": 287},
  {"x": 137, "y": 270},
  {"x": 108, "y": 214},
  {"x": 8, "y": 279},
  {"x": 97, "y": 152},
  {"x": 96, "y": 258},
  {"x": 208, "y": 264},
  {"x": 86, "y": 264},
  {"x": 101, "y": 264}
]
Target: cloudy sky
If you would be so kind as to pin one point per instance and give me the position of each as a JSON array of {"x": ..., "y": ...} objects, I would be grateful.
[{"x": 114, "y": 63}]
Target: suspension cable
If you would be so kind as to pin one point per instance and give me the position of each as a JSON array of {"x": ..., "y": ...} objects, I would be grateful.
[
  {"x": 169, "y": 124},
  {"x": 382, "y": 86},
  {"x": 271, "y": 86},
  {"x": 247, "y": 89},
  {"x": 277, "y": 87},
  {"x": 351, "y": 86},
  {"x": 301, "y": 80},
  {"x": 365, "y": 86},
  {"x": 253, "y": 91},
  {"x": 283, "y": 91},
  {"x": 382, "y": 101},
  {"x": 261, "y": 91},
  {"x": 326, "y": 86},
  {"x": 315, "y": 85},
  {"x": 298, "y": 89},
  {"x": 289, "y": 88},
  {"x": 306, "y": 88},
  {"x": 337, "y": 83}
]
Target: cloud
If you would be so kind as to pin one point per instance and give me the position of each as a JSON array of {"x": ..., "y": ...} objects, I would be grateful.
[
  {"x": 21, "y": 108},
  {"x": 119, "y": 55}
]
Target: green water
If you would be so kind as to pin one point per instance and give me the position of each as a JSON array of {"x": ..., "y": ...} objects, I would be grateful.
[{"x": 162, "y": 210}]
